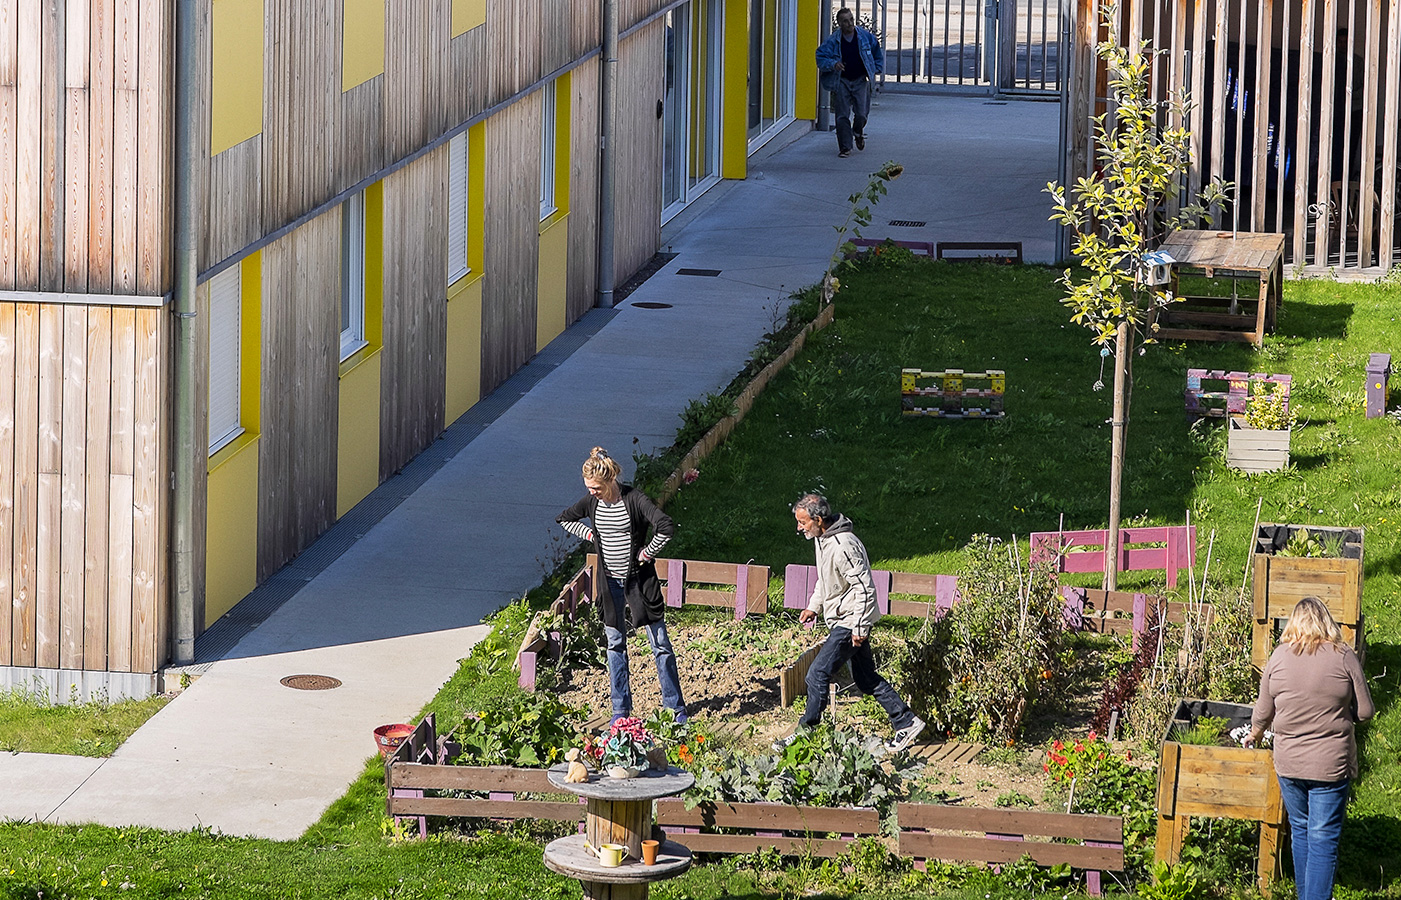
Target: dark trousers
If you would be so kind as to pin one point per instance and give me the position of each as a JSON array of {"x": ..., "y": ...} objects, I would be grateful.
[
  {"x": 837, "y": 651},
  {"x": 851, "y": 104}
]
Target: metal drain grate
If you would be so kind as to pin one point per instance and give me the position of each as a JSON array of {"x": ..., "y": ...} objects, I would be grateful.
[
  {"x": 651, "y": 304},
  {"x": 311, "y": 682},
  {"x": 907, "y": 223},
  {"x": 707, "y": 273}
]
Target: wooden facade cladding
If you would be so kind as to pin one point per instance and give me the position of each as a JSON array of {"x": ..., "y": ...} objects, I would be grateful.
[
  {"x": 85, "y": 146},
  {"x": 83, "y": 505},
  {"x": 1295, "y": 101}
]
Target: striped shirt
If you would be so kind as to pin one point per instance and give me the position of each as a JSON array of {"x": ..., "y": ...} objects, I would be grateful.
[{"x": 614, "y": 537}]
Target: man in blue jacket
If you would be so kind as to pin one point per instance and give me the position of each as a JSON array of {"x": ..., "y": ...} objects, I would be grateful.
[{"x": 848, "y": 60}]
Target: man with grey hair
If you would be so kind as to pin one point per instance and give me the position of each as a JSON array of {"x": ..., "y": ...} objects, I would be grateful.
[{"x": 845, "y": 596}]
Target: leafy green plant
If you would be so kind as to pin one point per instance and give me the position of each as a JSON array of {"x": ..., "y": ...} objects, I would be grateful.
[
  {"x": 522, "y": 729},
  {"x": 1177, "y": 882},
  {"x": 979, "y": 668},
  {"x": 858, "y": 216},
  {"x": 1304, "y": 543},
  {"x": 1268, "y": 408},
  {"x": 1205, "y": 731},
  {"x": 1013, "y": 799}
]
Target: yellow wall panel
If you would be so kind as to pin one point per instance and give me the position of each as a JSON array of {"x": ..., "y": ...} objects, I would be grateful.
[
  {"x": 231, "y": 555},
  {"x": 553, "y": 290},
  {"x": 236, "y": 72},
  {"x": 734, "y": 140},
  {"x": 357, "y": 443},
  {"x": 362, "y": 46},
  {"x": 464, "y": 346},
  {"x": 466, "y": 15},
  {"x": 810, "y": 35}
]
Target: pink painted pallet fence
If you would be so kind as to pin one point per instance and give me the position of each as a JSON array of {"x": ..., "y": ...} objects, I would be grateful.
[
  {"x": 800, "y": 581},
  {"x": 1121, "y": 612},
  {"x": 1083, "y": 551},
  {"x": 1202, "y": 401},
  {"x": 579, "y": 590}
]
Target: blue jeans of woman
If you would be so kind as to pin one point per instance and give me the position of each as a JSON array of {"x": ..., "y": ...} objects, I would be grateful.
[
  {"x": 620, "y": 677},
  {"x": 836, "y": 651},
  {"x": 1316, "y": 810}
]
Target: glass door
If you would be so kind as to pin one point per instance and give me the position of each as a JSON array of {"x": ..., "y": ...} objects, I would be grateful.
[
  {"x": 675, "y": 109},
  {"x": 772, "y": 35}
]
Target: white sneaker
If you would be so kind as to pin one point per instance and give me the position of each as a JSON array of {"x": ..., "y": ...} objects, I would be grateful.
[{"x": 905, "y": 736}]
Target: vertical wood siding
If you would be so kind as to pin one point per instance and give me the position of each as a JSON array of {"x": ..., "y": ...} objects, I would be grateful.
[
  {"x": 412, "y": 373},
  {"x": 639, "y": 211},
  {"x": 510, "y": 245},
  {"x": 301, "y": 365},
  {"x": 82, "y": 396},
  {"x": 583, "y": 192},
  {"x": 1313, "y": 147}
]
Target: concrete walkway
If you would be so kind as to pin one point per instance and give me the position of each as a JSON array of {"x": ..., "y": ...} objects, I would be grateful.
[{"x": 395, "y": 602}]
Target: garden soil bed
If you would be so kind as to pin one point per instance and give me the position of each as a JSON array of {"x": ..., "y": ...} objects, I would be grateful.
[{"x": 731, "y": 682}]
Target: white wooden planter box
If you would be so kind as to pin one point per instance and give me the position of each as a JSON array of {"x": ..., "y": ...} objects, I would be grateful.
[{"x": 1254, "y": 450}]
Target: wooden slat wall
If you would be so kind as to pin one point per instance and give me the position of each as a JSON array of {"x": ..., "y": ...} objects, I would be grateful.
[
  {"x": 511, "y": 243},
  {"x": 300, "y": 372},
  {"x": 1329, "y": 97},
  {"x": 639, "y": 203},
  {"x": 416, "y": 35},
  {"x": 412, "y": 373},
  {"x": 82, "y": 580},
  {"x": 583, "y": 193}
]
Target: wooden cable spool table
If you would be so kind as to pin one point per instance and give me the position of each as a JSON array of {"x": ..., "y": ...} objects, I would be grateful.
[{"x": 619, "y": 812}]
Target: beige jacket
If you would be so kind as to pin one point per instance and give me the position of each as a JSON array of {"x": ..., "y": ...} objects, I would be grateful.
[{"x": 845, "y": 595}]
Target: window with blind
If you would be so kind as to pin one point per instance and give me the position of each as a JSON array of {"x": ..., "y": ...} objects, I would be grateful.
[
  {"x": 352, "y": 274},
  {"x": 457, "y": 208},
  {"x": 547, "y": 151},
  {"x": 225, "y": 356}
]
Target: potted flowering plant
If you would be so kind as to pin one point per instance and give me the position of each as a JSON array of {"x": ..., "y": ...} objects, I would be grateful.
[
  {"x": 625, "y": 752},
  {"x": 1259, "y": 440}
]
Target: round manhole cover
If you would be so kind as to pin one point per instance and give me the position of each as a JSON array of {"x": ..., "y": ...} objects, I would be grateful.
[
  {"x": 651, "y": 304},
  {"x": 311, "y": 682}
]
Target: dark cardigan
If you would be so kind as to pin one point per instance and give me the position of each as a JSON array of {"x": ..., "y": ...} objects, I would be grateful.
[{"x": 641, "y": 589}]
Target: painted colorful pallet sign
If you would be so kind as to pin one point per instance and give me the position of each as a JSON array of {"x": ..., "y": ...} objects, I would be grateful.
[
  {"x": 1209, "y": 400},
  {"x": 947, "y": 394}
]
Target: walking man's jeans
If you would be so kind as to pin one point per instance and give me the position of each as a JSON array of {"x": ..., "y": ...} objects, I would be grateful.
[
  {"x": 851, "y": 104},
  {"x": 838, "y": 650},
  {"x": 619, "y": 676},
  {"x": 1316, "y": 810}
]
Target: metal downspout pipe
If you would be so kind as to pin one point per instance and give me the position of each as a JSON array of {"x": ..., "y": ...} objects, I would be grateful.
[
  {"x": 607, "y": 156},
  {"x": 183, "y": 456}
]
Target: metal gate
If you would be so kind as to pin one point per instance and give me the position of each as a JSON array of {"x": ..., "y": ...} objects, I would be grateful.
[{"x": 947, "y": 42}]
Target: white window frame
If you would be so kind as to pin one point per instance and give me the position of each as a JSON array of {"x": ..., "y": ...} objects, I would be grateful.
[
  {"x": 352, "y": 274},
  {"x": 225, "y": 358},
  {"x": 547, "y": 151},
  {"x": 457, "y": 209}
]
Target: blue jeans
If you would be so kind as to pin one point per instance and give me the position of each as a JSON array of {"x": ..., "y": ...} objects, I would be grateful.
[
  {"x": 836, "y": 651},
  {"x": 851, "y": 104},
  {"x": 620, "y": 677},
  {"x": 1316, "y": 810}
]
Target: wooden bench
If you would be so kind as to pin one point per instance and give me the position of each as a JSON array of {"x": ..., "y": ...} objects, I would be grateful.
[{"x": 931, "y": 831}]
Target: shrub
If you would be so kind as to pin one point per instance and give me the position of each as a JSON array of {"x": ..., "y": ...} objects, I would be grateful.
[{"x": 517, "y": 730}]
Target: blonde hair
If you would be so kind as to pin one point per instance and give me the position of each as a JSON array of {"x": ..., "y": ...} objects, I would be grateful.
[
  {"x": 601, "y": 467},
  {"x": 1310, "y": 626}
]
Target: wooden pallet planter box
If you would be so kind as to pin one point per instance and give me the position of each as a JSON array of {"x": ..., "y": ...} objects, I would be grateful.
[
  {"x": 1282, "y": 581},
  {"x": 1216, "y": 393},
  {"x": 791, "y": 830},
  {"x": 1256, "y": 450},
  {"x": 1220, "y": 782},
  {"x": 996, "y": 836}
]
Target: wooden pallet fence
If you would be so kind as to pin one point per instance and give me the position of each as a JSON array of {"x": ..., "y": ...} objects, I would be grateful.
[
  {"x": 861, "y": 245},
  {"x": 800, "y": 581},
  {"x": 954, "y": 834},
  {"x": 1003, "y": 252},
  {"x": 421, "y": 764},
  {"x": 1083, "y": 551},
  {"x": 791, "y": 830},
  {"x": 1215, "y": 399},
  {"x": 684, "y": 582},
  {"x": 793, "y": 680},
  {"x": 721, "y": 430},
  {"x": 1122, "y": 612},
  {"x": 954, "y": 398},
  {"x": 580, "y": 589}
]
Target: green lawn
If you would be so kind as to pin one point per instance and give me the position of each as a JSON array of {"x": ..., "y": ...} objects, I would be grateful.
[
  {"x": 30, "y": 722},
  {"x": 917, "y": 490}
]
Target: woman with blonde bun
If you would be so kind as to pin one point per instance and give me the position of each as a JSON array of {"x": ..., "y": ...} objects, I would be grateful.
[
  {"x": 1312, "y": 692},
  {"x": 621, "y": 518}
]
